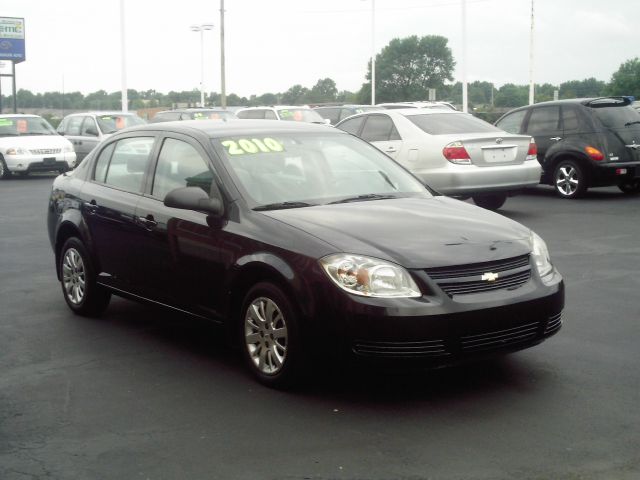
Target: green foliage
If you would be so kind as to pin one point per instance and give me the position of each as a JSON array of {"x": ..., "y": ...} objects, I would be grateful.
[
  {"x": 510, "y": 95},
  {"x": 626, "y": 81},
  {"x": 406, "y": 68},
  {"x": 323, "y": 91},
  {"x": 589, "y": 87},
  {"x": 296, "y": 95}
]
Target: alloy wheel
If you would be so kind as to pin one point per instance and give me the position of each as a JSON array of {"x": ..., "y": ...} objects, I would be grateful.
[
  {"x": 73, "y": 276},
  {"x": 567, "y": 181},
  {"x": 265, "y": 333}
]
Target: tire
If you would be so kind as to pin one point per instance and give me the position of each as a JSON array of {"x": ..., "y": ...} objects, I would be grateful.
[
  {"x": 78, "y": 280},
  {"x": 4, "y": 171},
  {"x": 490, "y": 201},
  {"x": 630, "y": 187},
  {"x": 270, "y": 336},
  {"x": 569, "y": 179}
]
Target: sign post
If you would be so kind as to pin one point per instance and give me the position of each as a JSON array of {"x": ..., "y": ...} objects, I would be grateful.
[{"x": 12, "y": 49}]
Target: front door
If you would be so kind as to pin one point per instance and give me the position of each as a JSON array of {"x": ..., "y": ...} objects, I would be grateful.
[{"x": 380, "y": 131}]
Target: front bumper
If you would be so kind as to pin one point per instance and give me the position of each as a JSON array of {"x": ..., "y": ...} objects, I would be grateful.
[
  {"x": 437, "y": 329},
  {"x": 471, "y": 179},
  {"x": 41, "y": 162}
]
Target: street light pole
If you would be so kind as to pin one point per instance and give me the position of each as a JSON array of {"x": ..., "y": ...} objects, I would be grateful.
[
  {"x": 223, "y": 86},
  {"x": 123, "y": 60},
  {"x": 531, "y": 82},
  {"x": 201, "y": 28},
  {"x": 373, "y": 52}
]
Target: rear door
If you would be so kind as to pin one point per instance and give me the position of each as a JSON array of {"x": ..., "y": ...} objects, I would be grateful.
[
  {"x": 543, "y": 124},
  {"x": 380, "y": 131}
]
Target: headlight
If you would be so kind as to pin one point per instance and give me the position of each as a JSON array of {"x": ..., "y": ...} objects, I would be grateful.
[
  {"x": 16, "y": 151},
  {"x": 541, "y": 255},
  {"x": 68, "y": 148},
  {"x": 369, "y": 277}
]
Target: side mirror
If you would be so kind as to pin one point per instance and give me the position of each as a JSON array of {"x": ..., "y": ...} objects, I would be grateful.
[{"x": 194, "y": 198}]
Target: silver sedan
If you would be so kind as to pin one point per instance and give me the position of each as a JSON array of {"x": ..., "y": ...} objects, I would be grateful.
[{"x": 453, "y": 152}]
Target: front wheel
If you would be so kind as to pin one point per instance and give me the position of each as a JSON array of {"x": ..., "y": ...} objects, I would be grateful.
[
  {"x": 271, "y": 343},
  {"x": 569, "y": 179},
  {"x": 630, "y": 186},
  {"x": 78, "y": 280},
  {"x": 490, "y": 201},
  {"x": 4, "y": 171}
]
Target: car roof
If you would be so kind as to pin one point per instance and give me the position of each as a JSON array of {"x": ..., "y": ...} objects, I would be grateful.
[
  {"x": 195, "y": 110},
  {"x": 13, "y": 115},
  {"x": 221, "y": 128},
  {"x": 278, "y": 107},
  {"x": 408, "y": 112},
  {"x": 100, "y": 112},
  {"x": 574, "y": 101}
]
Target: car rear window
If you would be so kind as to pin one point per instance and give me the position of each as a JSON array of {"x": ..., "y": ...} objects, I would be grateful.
[
  {"x": 618, "y": 116},
  {"x": 452, "y": 123}
]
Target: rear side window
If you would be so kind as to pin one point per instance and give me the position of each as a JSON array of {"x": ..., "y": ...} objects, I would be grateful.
[
  {"x": 352, "y": 126},
  {"x": 180, "y": 165},
  {"x": 451, "y": 123},
  {"x": 127, "y": 165},
  {"x": 512, "y": 123},
  {"x": 544, "y": 120},
  {"x": 379, "y": 128},
  {"x": 570, "y": 123}
]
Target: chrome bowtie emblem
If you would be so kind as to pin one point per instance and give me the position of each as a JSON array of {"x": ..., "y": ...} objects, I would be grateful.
[{"x": 489, "y": 276}]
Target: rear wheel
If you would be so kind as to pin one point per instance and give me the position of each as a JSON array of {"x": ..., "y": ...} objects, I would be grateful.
[
  {"x": 78, "y": 280},
  {"x": 630, "y": 186},
  {"x": 270, "y": 336},
  {"x": 569, "y": 179},
  {"x": 490, "y": 201}
]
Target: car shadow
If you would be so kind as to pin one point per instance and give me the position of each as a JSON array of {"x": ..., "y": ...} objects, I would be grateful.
[{"x": 345, "y": 382}]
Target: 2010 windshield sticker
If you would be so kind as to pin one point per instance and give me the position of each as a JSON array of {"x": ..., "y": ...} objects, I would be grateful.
[
  {"x": 4, "y": 122},
  {"x": 249, "y": 146}
]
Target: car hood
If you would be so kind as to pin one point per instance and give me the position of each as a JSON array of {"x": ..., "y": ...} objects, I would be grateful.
[
  {"x": 413, "y": 232},
  {"x": 34, "y": 141}
]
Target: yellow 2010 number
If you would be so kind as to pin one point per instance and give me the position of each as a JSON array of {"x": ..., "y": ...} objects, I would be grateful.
[{"x": 245, "y": 146}]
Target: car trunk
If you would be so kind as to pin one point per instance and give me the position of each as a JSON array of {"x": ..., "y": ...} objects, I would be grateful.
[
  {"x": 621, "y": 131},
  {"x": 491, "y": 149}
]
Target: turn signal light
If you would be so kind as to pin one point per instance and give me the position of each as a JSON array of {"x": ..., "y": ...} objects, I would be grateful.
[
  {"x": 456, "y": 153},
  {"x": 594, "y": 153},
  {"x": 532, "y": 153}
]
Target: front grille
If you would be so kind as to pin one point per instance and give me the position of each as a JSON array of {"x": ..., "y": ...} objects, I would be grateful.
[
  {"x": 554, "y": 324},
  {"x": 46, "y": 151},
  {"x": 499, "y": 338},
  {"x": 429, "y": 348},
  {"x": 465, "y": 279}
]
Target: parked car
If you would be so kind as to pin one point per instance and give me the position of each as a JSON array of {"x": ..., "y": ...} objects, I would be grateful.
[
  {"x": 281, "y": 112},
  {"x": 86, "y": 130},
  {"x": 334, "y": 114},
  {"x": 302, "y": 240},
  {"x": 193, "y": 114},
  {"x": 430, "y": 105},
  {"x": 454, "y": 152},
  {"x": 28, "y": 143},
  {"x": 582, "y": 143}
]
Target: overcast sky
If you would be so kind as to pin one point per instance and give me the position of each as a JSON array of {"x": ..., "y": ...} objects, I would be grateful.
[{"x": 274, "y": 44}]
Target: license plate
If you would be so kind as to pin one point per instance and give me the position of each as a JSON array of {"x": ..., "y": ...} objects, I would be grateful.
[
  {"x": 496, "y": 155},
  {"x": 49, "y": 160}
]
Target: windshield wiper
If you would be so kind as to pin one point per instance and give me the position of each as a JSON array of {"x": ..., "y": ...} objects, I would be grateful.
[
  {"x": 631, "y": 123},
  {"x": 283, "y": 205},
  {"x": 363, "y": 198}
]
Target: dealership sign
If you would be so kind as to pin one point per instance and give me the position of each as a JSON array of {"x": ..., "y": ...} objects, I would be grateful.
[{"x": 12, "y": 39}]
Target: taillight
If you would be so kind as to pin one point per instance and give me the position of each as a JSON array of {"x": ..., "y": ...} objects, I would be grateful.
[
  {"x": 532, "y": 153},
  {"x": 456, "y": 153},
  {"x": 594, "y": 153}
]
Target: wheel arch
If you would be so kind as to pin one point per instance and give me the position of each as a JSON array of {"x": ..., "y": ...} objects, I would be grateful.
[
  {"x": 578, "y": 157},
  {"x": 71, "y": 226}
]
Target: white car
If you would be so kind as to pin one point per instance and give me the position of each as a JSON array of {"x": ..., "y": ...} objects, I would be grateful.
[
  {"x": 453, "y": 152},
  {"x": 432, "y": 105},
  {"x": 282, "y": 112},
  {"x": 28, "y": 143}
]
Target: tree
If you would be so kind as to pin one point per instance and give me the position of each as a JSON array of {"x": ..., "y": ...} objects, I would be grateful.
[
  {"x": 406, "y": 68},
  {"x": 295, "y": 95},
  {"x": 626, "y": 81},
  {"x": 510, "y": 95},
  {"x": 323, "y": 91},
  {"x": 589, "y": 87}
]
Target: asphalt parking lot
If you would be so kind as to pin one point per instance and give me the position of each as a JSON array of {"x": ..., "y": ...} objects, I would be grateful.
[{"x": 143, "y": 393}]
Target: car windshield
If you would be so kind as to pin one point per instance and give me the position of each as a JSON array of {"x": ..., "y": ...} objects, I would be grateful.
[
  {"x": 452, "y": 123},
  {"x": 300, "y": 115},
  {"x": 17, "y": 126},
  {"x": 617, "y": 116},
  {"x": 113, "y": 123},
  {"x": 298, "y": 169}
]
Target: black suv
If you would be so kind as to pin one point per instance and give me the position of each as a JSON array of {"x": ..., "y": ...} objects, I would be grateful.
[{"x": 582, "y": 143}]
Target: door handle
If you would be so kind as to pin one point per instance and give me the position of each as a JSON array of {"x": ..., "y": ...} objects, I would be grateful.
[
  {"x": 391, "y": 150},
  {"x": 91, "y": 207},
  {"x": 148, "y": 222},
  {"x": 555, "y": 139}
]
